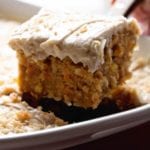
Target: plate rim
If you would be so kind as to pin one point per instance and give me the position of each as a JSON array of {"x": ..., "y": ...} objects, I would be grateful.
[{"x": 141, "y": 111}]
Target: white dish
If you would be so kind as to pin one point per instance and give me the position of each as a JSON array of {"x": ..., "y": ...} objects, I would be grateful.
[{"x": 76, "y": 133}]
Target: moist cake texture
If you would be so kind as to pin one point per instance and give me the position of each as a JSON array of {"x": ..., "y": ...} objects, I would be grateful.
[
  {"x": 16, "y": 116},
  {"x": 75, "y": 58}
]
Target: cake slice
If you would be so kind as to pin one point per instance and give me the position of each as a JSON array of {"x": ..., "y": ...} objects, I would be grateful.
[{"x": 79, "y": 59}]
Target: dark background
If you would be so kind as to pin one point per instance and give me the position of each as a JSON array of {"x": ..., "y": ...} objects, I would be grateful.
[{"x": 137, "y": 138}]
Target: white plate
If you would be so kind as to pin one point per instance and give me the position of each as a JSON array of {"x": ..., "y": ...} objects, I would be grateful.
[{"x": 76, "y": 133}]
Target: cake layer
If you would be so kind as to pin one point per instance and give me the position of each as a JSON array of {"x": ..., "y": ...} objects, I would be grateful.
[
  {"x": 79, "y": 60},
  {"x": 82, "y": 38}
]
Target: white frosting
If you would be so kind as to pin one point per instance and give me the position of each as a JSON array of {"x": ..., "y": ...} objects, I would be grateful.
[{"x": 79, "y": 37}]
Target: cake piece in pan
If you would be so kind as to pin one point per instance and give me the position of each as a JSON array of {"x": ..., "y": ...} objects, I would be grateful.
[{"x": 76, "y": 58}]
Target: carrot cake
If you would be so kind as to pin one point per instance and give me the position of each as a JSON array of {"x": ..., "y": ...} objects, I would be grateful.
[
  {"x": 76, "y": 58},
  {"x": 17, "y": 116}
]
